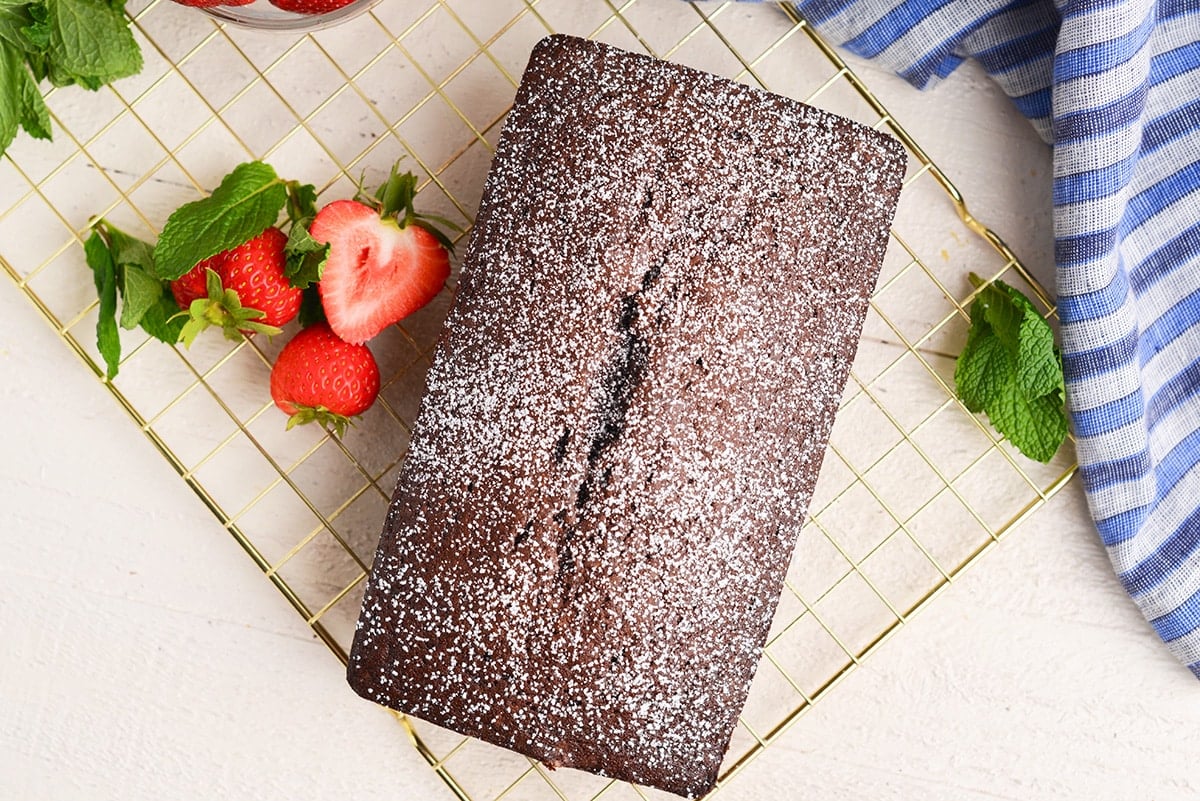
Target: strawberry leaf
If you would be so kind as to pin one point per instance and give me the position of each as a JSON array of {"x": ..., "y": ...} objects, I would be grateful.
[
  {"x": 192, "y": 328},
  {"x": 321, "y": 416},
  {"x": 442, "y": 221},
  {"x": 395, "y": 195},
  {"x": 104, "y": 273},
  {"x": 247, "y": 202},
  {"x": 222, "y": 308}
]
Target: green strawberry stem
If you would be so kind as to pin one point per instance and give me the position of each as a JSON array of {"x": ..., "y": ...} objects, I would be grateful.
[
  {"x": 395, "y": 196},
  {"x": 394, "y": 200},
  {"x": 320, "y": 415},
  {"x": 222, "y": 308}
]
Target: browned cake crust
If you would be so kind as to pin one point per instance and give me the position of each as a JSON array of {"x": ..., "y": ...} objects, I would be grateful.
[{"x": 626, "y": 415}]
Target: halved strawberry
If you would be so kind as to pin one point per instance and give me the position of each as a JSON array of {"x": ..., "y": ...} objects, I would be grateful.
[
  {"x": 320, "y": 377},
  {"x": 385, "y": 261}
]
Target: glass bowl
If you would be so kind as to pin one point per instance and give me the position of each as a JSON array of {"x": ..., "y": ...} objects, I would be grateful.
[{"x": 261, "y": 15}]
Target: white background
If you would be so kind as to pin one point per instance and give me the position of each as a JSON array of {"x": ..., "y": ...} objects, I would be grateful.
[{"x": 144, "y": 656}]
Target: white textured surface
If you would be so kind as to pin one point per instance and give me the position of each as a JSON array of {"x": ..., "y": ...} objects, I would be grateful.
[{"x": 144, "y": 657}]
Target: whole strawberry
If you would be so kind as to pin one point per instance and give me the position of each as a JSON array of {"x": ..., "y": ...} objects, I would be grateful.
[
  {"x": 211, "y": 3},
  {"x": 385, "y": 260},
  {"x": 310, "y": 6},
  {"x": 244, "y": 290},
  {"x": 319, "y": 376},
  {"x": 193, "y": 284}
]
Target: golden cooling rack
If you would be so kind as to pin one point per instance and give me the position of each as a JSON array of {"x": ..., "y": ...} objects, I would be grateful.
[{"x": 913, "y": 488}]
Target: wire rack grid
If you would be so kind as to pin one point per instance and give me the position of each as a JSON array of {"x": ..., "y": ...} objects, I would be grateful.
[{"x": 913, "y": 490}]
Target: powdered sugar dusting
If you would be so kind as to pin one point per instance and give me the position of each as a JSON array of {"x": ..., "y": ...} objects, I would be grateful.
[{"x": 626, "y": 415}]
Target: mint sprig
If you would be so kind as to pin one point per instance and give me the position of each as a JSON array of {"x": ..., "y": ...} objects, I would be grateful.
[
  {"x": 139, "y": 275},
  {"x": 246, "y": 203},
  {"x": 1011, "y": 370},
  {"x": 90, "y": 43},
  {"x": 67, "y": 42},
  {"x": 123, "y": 266}
]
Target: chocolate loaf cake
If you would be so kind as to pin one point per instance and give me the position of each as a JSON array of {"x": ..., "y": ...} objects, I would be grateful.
[{"x": 625, "y": 415}]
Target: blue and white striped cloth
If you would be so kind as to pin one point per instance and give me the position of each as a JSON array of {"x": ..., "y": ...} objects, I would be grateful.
[{"x": 1114, "y": 87}]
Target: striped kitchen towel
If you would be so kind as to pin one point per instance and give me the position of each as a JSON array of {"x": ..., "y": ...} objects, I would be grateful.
[{"x": 1114, "y": 87}]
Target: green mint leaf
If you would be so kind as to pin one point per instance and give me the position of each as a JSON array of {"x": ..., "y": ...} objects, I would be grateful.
[
  {"x": 104, "y": 273},
  {"x": 133, "y": 260},
  {"x": 301, "y": 202},
  {"x": 90, "y": 42},
  {"x": 306, "y": 256},
  {"x": 305, "y": 269},
  {"x": 60, "y": 77},
  {"x": 35, "y": 117},
  {"x": 1002, "y": 314},
  {"x": 1011, "y": 370},
  {"x": 130, "y": 251},
  {"x": 247, "y": 202},
  {"x": 1036, "y": 426},
  {"x": 300, "y": 240},
  {"x": 1038, "y": 369},
  {"x": 37, "y": 32},
  {"x": 983, "y": 371},
  {"x": 142, "y": 292},
  {"x": 11, "y": 69},
  {"x": 39, "y": 65},
  {"x": 14, "y": 19},
  {"x": 163, "y": 320},
  {"x": 311, "y": 310}
]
